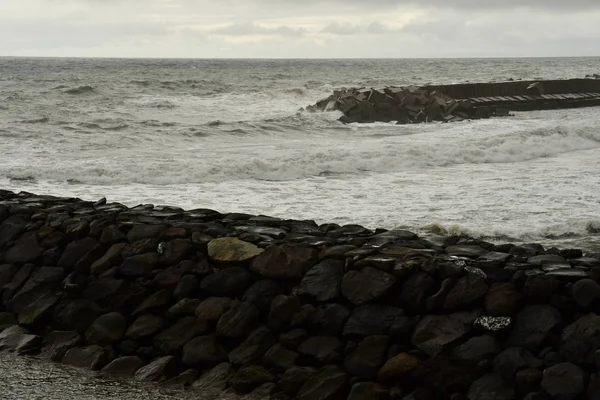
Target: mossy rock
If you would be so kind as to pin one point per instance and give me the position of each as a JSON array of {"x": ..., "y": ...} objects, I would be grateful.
[{"x": 232, "y": 250}]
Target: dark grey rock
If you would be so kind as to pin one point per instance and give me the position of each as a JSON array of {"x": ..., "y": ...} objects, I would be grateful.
[
  {"x": 416, "y": 290},
  {"x": 586, "y": 292},
  {"x": 369, "y": 284},
  {"x": 110, "y": 259},
  {"x": 284, "y": 261},
  {"x": 158, "y": 370},
  {"x": 107, "y": 329},
  {"x": 123, "y": 366},
  {"x": 322, "y": 349},
  {"x": 227, "y": 282},
  {"x": 369, "y": 391},
  {"x": 507, "y": 363},
  {"x": 328, "y": 384},
  {"x": 238, "y": 321},
  {"x": 491, "y": 387},
  {"x": 478, "y": 348},
  {"x": 90, "y": 357},
  {"x": 249, "y": 378},
  {"x": 184, "y": 307},
  {"x": 366, "y": 359},
  {"x": 139, "y": 232},
  {"x": 80, "y": 254},
  {"x": 18, "y": 340},
  {"x": 157, "y": 302},
  {"x": 544, "y": 259},
  {"x": 534, "y": 326},
  {"x": 204, "y": 352},
  {"x": 294, "y": 338},
  {"x": 173, "y": 251},
  {"x": 145, "y": 326},
  {"x": 472, "y": 251},
  {"x": 75, "y": 314},
  {"x": 528, "y": 380},
  {"x": 371, "y": 320},
  {"x": 279, "y": 357},
  {"x": 467, "y": 291},
  {"x": 580, "y": 340},
  {"x": 283, "y": 310},
  {"x": 57, "y": 343},
  {"x": 7, "y": 271},
  {"x": 434, "y": 332},
  {"x": 174, "y": 338},
  {"x": 262, "y": 293},
  {"x": 253, "y": 347},
  {"x": 322, "y": 282},
  {"x": 564, "y": 381},
  {"x": 213, "y": 308},
  {"x": 26, "y": 249},
  {"x": 139, "y": 265},
  {"x": 503, "y": 299},
  {"x": 329, "y": 319},
  {"x": 215, "y": 379},
  {"x": 187, "y": 287}
]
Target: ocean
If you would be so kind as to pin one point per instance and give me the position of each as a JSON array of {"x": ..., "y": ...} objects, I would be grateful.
[{"x": 232, "y": 135}]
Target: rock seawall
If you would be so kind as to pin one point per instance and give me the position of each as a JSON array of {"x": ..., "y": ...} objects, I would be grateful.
[{"x": 287, "y": 309}]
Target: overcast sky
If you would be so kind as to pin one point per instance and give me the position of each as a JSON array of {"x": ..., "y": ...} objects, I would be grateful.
[{"x": 296, "y": 28}]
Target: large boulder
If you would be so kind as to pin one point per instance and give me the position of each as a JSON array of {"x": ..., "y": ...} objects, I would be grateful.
[
  {"x": 366, "y": 359},
  {"x": 212, "y": 308},
  {"x": 323, "y": 281},
  {"x": 80, "y": 254},
  {"x": 370, "y": 320},
  {"x": 18, "y": 340},
  {"x": 215, "y": 379},
  {"x": 145, "y": 326},
  {"x": 467, "y": 291},
  {"x": 26, "y": 249},
  {"x": 156, "y": 302},
  {"x": 91, "y": 357},
  {"x": 111, "y": 258},
  {"x": 227, "y": 282},
  {"x": 107, "y": 329},
  {"x": 249, "y": 378},
  {"x": 253, "y": 347},
  {"x": 123, "y": 366},
  {"x": 158, "y": 370},
  {"x": 534, "y": 326},
  {"x": 322, "y": 349},
  {"x": 434, "y": 332},
  {"x": 238, "y": 321},
  {"x": 232, "y": 250},
  {"x": 204, "y": 352},
  {"x": 262, "y": 293},
  {"x": 174, "y": 338},
  {"x": 398, "y": 367},
  {"x": 565, "y": 381},
  {"x": 329, "y": 384},
  {"x": 491, "y": 387},
  {"x": 580, "y": 340},
  {"x": 285, "y": 261},
  {"x": 361, "y": 287},
  {"x": 503, "y": 299}
]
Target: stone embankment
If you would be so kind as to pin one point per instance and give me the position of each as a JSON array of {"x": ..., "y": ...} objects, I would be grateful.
[
  {"x": 457, "y": 102},
  {"x": 289, "y": 309}
]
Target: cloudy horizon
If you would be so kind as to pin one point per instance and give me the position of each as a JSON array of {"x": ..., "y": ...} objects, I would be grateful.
[{"x": 312, "y": 29}]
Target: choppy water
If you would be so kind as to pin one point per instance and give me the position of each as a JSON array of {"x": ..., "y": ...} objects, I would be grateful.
[{"x": 227, "y": 134}]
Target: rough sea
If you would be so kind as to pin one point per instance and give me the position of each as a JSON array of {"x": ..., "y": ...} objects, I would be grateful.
[{"x": 231, "y": 135}]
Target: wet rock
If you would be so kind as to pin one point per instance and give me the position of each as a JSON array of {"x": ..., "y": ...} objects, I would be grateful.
[
  {"x": 141, "y": 231},
  {"x": 238, "y": 321},
  {"x": 204, "y": 352},
  {"x": 416, "y": 290},
  {"x": 123, "y": 366},
  {"x": 368, "y": 391},
  {"x": 227, "y": 282},
  {"x": 580, "y": 340},
  {"x": 80, "y": 254},
  {"x": 397, "y": 368},
  {"x": 564, "y": 381},
  {"x": 184, "y": 307},
  {"x": 283, "y": 309},
  {"x": 323, "y": 281},
  {"x": 75, "y": 314},
  {"x": 467, "y": 291},
  {"x": 262, "y": 293},
  {"x": 330, "y": 319},
  {"x": 328, "y": 384},
  {"x": 156, "y": 302},
  {"x": 103, "y": 290},
  {"x": 322, "y": 349},
  {"x": 232, "y": 250},
  {"x": 213, "y": 308},
  {"x": 111, "y": 258},
  {"x": 38, "y": 308},
  {"x": 145, "y": 326},
  {"x": 491, "y": 387},
  {"x": 173, "y": 251},
  {"x": 528, "y": 380},
  {"x": 18, "y": 340},
  {"x": 294, "y": 338},
  {"x": 507, "y": 363},
  {"x": 139, "y": 265},
  {"x": 503, "y": 299},
  {"x": 90, "y": 357},
  {"x": 11, "y": 228},
  {"x": 26, "y": 249},
  {"x": 18, "y": 280},
  {"x": 434, "y": 332},
  {"x": 140, "y": 247},
  {"x": 361, "y": 287},
  {"x": 107, "y": 329},
  {"x": 471, "y": 251},
  {"x": 544, "y": 259},
  {"x": 366, "y": 359},
  {"x": 248, "y": 378},
  {"x": 158, "y": 370},
  {"x": 54, "y": 239},
  {"x": 57, "y": 343},
  {"x": 253, "y": 347},
  {"x": 183, "y": 380},
  {"x": 371, "y": 320},
  {"x": 187, "y": 287},
  {"x": 534, "y": 326},
  {"x": 478, "y": 348},
  {"x": 215, "y": 379},
  {"x": 586, "y": 292},
  {"x": 111, "y": 234},
  {"x": 279, "y": 357},
  {"x": 174, "y": 338},
  {"x": 541, "y": 287},
  {"x": 285, "y": 261}
]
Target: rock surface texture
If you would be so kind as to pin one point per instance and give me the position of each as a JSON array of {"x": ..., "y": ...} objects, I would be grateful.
[{"x": 286, "y": 309}]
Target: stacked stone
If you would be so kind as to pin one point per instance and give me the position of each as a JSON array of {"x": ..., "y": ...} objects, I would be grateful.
[
  {"x": 404, "y": 105},
  {"x": 288, "y": 309}
]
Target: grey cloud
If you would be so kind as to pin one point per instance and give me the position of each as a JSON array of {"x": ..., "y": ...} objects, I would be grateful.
[
  {"x": 242, "y": 29},
  {"x": 374, "y": 28}
]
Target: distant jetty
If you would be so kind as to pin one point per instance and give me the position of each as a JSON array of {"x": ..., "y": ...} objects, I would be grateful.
[
  {"x": 289, "y": 309},
  {"x": 457, "y": 102}
]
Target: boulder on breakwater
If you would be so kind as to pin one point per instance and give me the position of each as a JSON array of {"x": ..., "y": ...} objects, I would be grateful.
[
  {"x": 404, "y": 105},
  {"x": 289, "y": 309}
]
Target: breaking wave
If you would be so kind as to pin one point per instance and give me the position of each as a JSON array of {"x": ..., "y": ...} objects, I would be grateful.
[{"x": 80, "y": 90}]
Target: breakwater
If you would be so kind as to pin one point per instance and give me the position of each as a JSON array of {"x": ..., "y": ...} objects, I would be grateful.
[
  {"x": 457, "y": 102},
  {"x": 292, "y": 309}
]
